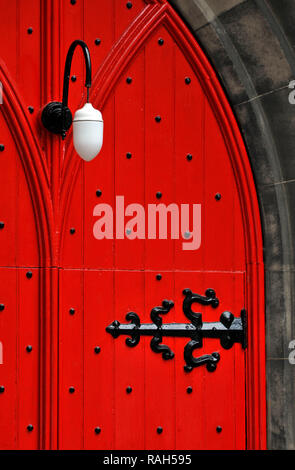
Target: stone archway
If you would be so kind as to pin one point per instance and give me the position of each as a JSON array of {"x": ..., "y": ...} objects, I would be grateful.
[{"x": 250, "y": 45}]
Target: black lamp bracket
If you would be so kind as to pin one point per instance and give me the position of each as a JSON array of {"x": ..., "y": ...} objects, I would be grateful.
[{"x": 56, "y": 116}]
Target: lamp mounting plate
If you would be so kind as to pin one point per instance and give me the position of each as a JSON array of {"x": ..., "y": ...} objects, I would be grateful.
[{"x": 52, "y": 118}]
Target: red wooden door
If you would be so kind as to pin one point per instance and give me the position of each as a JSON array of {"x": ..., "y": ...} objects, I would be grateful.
[{"x": 170, "y": 138}]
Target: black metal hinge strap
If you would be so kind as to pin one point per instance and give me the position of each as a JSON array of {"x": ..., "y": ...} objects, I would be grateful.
[{"x": 228, "y": 330}]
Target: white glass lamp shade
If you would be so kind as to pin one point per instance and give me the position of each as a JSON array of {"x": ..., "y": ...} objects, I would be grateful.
[{"x": 88, "y": 132}]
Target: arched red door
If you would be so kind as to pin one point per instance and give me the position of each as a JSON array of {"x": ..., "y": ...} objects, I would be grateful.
[{"x": 171, "y": 145}]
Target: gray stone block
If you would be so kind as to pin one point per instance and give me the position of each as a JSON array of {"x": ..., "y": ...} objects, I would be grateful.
[
  {"x": 201, "y": 12},
  {"x": 258, "y": 48},
  {"x": 224, "y": 66},
  {"x": 280, "y": 399},
  {"x": 284, "y": 12},
  {"x": 268, "y": 126},
  {"x": 280, "y": 327}
]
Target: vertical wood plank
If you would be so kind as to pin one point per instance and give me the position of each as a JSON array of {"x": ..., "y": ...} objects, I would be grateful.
[
  {"x": 29, "y": 56},
  {"x": 190, "y": 406},
  {"x": 99, "y": 180},
  {"x": 129, "y": 367},
  {"x": 100, "y": 364},
  {"x": 221, "y": 232},
  {"x": 28, "y": 358},
  {"x": 160, "y": 373},
  {"x": 129, "y": 160},
  {"x": 223, "y": 412},
  {"x": 190, "y": 166},
  {"x": 99, "y": 24},
  {"x": 9, "y": 360},
  {"x": 71, "y": 371},
  {"x": 159, "y": 145},
  {"x": 10, "y": 35},
  {"x": 8, "y": 196},
  {"x": 72, "y": 242}
]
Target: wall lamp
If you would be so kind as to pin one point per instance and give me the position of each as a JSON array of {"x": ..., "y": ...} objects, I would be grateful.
[{"x": 87, "y": 124}]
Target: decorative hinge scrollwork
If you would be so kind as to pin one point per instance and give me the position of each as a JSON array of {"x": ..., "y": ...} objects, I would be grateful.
[{"x": 228, "y": 330}]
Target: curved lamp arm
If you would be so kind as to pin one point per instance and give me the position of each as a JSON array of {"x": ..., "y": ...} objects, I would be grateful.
[
  {"x": 67, "y": 71},
  {"x": 57, "y": 117}
]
